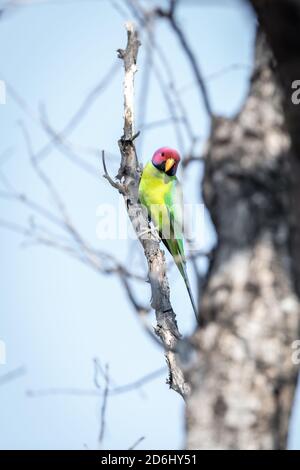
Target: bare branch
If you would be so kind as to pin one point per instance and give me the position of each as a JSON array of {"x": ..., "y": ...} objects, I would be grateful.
[
  {"x": 113, "y": 183},
  {"x": 188, "y": 159},
  {"x": 141, "y": 439},
  {"x": 12, "y": 375},
  {"x": 129, "y": 57},
  {"x": 217, "y": 74},
  {"x": 82, "y": 110},
  {"x": 129, "y": 174},
  {"x": 172, "y": 99},
  {"x": 169, "y": 14},
  {"x": 97, "y": 391},
  {"x": 104, "y": 405},
  {"x": 67, "y": 149}
]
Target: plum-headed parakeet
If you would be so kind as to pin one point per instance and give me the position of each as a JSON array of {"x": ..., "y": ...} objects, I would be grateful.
[{"x": 161, "y": 194}]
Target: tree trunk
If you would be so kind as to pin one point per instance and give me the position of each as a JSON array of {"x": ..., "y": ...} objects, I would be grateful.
[{"x": 243, "y": 378}]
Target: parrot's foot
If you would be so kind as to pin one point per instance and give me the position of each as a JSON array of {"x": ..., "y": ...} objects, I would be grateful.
[{"x": 151, "y": 230}]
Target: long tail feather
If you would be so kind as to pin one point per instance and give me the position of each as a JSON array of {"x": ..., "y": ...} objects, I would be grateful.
[
  {"x": 182, "y": 268},
  {"x": 180, "y": 262},
  {"x": 188, "y": 286}
]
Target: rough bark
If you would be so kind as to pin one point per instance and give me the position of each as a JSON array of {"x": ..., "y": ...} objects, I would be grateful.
[
  {"x": 280, "y": 20},
  {"x": 242, "y": 377}
]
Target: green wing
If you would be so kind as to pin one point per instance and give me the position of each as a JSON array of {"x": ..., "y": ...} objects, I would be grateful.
[
  {"x": 174, "y": 243},
  {"x": 174, "y": 239}
]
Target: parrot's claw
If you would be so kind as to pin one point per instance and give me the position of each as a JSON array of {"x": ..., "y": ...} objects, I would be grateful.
[{"x": 151, "y": 230}]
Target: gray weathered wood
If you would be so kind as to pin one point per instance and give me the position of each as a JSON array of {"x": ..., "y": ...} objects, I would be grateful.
[{"x": 129, "y": 176}]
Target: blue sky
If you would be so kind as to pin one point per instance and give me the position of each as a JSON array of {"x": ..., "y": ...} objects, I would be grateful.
[{"x": 57, "y": 314}]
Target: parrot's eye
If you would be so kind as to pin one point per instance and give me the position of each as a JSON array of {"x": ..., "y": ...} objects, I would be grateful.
[{"x": 163, "y": 154}]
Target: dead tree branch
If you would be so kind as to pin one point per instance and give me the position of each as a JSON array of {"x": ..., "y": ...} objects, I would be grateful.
[
  {"x": 97, "y": 391},
  {"x": 12, "y": 375},
  {"x": 136, "y": 443},
  {"x": 129, "y": 175},
  {"x": 169, "y": 15},
  {"x": 104, "y": 404}
]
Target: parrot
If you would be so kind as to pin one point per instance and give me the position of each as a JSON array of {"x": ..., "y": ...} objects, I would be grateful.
[{"x": 160, "y": 192}]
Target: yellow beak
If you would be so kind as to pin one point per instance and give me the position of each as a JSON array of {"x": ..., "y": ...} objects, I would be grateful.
[{"x": 169, "y": 163}]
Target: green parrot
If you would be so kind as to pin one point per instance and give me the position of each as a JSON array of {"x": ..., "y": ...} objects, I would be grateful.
[{"x": 160, "y": 193}]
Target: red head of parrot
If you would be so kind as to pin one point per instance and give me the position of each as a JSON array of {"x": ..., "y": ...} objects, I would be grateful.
[{"x": 166, "y": 159}]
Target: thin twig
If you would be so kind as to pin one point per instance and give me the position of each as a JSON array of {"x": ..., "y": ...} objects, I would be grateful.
[
  {"x": 75, "y": 119},
  {"x": 169, "y": 14},
  {"x": 97, "y": 391},
  {"x": 136, "y": 443},
  {"x": 104, "y": 405},
  {"x": 12, "y": 375},
  {"x": 120, "y": 187}
]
